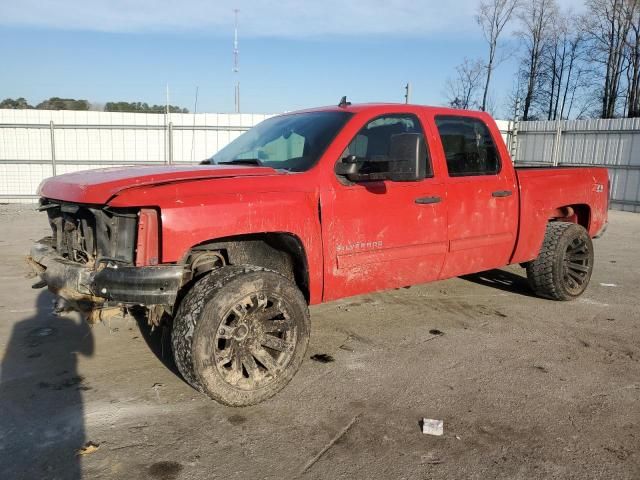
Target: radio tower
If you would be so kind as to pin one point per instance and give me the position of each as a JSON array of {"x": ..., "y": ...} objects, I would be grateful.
[{"x": 236, "y": 54}]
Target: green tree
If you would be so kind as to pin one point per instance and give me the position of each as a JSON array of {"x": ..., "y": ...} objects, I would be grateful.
[
  {"x": 57, "y": 103},
  {"x": 18, "y": 103},
  {"x": 139, "y": 107}
]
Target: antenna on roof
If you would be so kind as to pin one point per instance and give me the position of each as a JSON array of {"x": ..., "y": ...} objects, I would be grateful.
[{"x": 343, "y": 102}]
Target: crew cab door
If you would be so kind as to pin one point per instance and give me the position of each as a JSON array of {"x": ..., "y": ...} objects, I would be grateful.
[
  {"x": 382, "y": 234},
  {"x": 482, "y": 195}
]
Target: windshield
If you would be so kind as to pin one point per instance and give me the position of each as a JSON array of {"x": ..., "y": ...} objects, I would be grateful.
[{"x": 290, "y": 142}]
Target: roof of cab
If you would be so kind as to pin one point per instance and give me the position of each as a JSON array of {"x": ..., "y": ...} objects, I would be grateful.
[{"x": 381, "y": 107}]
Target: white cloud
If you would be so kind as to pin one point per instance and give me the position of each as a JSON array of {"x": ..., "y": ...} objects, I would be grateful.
[
  {"x": 258, "y": 18},
  {"x": 279, "y": 18}
]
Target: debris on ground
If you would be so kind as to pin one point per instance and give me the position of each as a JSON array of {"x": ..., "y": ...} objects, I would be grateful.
[
  {"x": 331, "y": 443},
  {"x": 156, "y": 388},
  {"x": 608, "y": 285},
  {"x": 432, "y": 427},
  {"x": 432, "y": 460},
  {"x": 435, "y": 333},
  {"x": 322, "y": 358},
  {"x": 88, "y": 448}
]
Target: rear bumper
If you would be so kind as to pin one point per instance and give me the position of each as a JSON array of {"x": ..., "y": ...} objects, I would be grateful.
[{"x": 75, "y": 282}]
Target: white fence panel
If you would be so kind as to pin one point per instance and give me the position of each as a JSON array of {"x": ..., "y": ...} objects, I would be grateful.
[
  {"x": 36, "y": 144},
  {"x": 611, "y": 143}
]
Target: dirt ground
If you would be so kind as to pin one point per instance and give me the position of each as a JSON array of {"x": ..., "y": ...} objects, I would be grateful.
[{"x": 527, "y": 388}]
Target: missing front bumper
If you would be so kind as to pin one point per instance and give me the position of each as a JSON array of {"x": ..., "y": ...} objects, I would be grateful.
[{"x": 127, "y": 285}]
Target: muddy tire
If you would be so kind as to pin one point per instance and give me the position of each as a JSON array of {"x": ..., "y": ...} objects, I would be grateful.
[
  {"x": 563, "y": 268},
  {"x": 240, "y": 334}
]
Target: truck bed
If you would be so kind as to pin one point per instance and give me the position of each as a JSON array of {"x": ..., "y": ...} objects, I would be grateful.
[{"x": 545, "y": 188}]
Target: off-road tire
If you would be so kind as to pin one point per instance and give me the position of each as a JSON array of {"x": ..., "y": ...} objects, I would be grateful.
[
  {"x": 201, "y": 318},
  {"x": 567, "y": 247}
]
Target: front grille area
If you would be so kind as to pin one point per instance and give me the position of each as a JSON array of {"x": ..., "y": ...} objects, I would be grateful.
[{"x": 88, "y": 234}]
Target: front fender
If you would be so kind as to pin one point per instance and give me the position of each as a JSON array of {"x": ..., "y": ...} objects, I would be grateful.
[{"x": 198, "y": 216}]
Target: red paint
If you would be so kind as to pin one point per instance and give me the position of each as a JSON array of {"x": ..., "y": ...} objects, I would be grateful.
[
  {"x": 147, "y": 248},
  {"x": 357, "y": 238},
  {"x": 100, "y": 185}
]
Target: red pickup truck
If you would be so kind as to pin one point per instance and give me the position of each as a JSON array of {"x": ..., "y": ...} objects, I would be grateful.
[{"x": 305, "y": 208}]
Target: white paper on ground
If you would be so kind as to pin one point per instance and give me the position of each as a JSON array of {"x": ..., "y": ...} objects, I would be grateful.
[{"x": 432, "y": 427}]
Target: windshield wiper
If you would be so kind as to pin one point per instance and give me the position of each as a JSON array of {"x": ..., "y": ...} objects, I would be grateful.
[{"x": 242, "y": 161}]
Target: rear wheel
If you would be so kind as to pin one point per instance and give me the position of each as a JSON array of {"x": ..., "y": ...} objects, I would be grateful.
[
  {"x": 563, "y": 268},
  {"x": 240, "y": 334}
]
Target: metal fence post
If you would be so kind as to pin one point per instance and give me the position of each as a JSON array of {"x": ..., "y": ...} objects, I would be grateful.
[
  {"x": 556, "y": 143},
  {"x": 514, "y": 132},
  {"x": 53, "y": 147},
  {"x": 170, "y": 143}
]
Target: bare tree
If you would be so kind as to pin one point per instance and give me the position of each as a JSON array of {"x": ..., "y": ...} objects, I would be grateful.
[
  {"x": 463, "y": 88},
  {"x": 633, "y": 67},
  {"x": 578, "y": 78},
  {"x": 607, "y": 25},
  {"x": 536, "y": 19},
  {"x": 492, "y": 17},
  {"x": 492, "y": 105},
  {"x": 513, "y": 103},
  {"x": 563, "y": 71}
]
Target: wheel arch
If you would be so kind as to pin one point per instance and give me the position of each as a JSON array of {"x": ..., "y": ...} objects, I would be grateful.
[
  {"x": 283, "y": 252},
  {"x": 533, "y": 226},
  {"x": 579, "y": 213}
]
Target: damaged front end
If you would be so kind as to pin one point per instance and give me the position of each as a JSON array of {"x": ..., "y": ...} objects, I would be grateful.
[{"x": 102, "y": 261}]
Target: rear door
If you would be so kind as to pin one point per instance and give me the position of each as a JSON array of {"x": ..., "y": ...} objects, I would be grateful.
[
  {"x": 382, "y": 234},
  {"x": 482, "y": 197}
]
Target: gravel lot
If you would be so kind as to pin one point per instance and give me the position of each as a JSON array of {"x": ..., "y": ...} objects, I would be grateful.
[{"x": 527, "y": 388}]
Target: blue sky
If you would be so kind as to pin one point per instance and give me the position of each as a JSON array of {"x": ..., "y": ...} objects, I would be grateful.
[{"x": 293, "y": 54}]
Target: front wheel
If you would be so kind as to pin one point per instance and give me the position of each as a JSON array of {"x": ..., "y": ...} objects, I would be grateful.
[
  {"x": 563, "y": 268},
  {"x": 240, "y": 334}
]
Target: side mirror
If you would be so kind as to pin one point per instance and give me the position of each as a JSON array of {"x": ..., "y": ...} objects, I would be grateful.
[
  {"x": 347, "y": 166},
  {"x": 407, "y": 157}
]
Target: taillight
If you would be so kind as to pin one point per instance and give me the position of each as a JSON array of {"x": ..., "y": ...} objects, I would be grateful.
[{"x": 147, "y": 245}]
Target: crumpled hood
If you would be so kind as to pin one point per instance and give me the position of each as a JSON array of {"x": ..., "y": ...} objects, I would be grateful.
[{"x": 98, "y": 186}]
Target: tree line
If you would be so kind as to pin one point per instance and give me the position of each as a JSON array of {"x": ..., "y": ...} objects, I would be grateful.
[
  {"x": 569, "y": 65},
  {"x": 56, "y": 103}
]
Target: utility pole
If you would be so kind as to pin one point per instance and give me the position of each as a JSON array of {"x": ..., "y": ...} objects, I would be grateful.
[
  {"x": 166, "y": 107},
  {"x": 236, "y": 67},
  {"x": 407, "y": 92}
]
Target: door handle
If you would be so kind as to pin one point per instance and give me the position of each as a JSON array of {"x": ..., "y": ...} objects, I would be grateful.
[
  {"x": 427, "y": 200},
  {"x": 502, "y": 193}
]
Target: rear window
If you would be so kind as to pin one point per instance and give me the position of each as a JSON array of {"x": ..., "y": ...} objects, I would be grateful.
[{"x": 468, "y": 146}]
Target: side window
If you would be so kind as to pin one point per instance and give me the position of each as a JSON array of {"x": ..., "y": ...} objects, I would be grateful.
[
  {"x": 372, "y": 144},
  {"x": 468, "y": 146}
]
